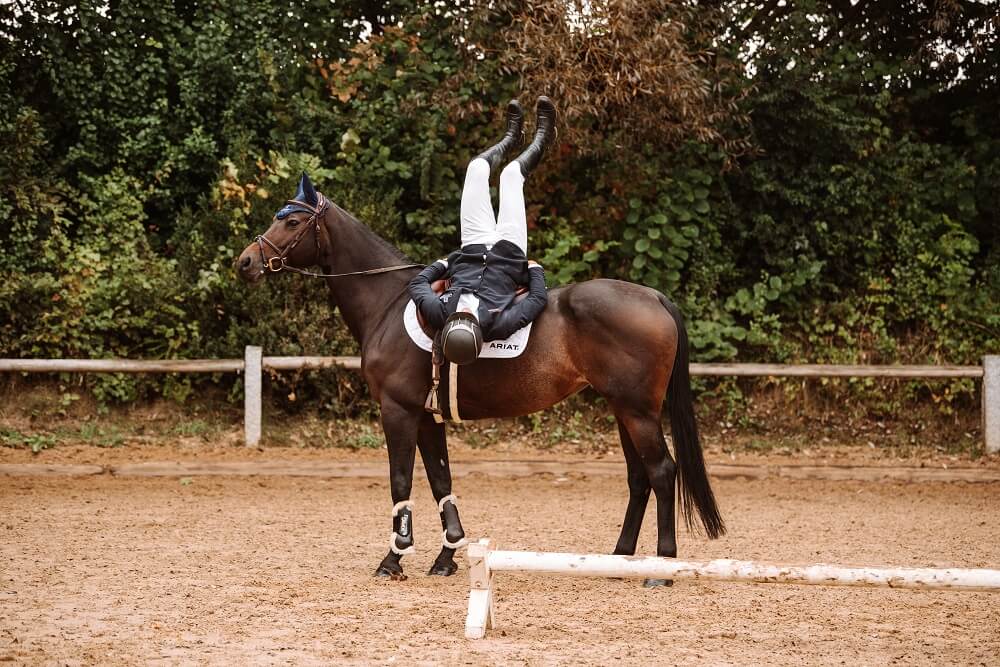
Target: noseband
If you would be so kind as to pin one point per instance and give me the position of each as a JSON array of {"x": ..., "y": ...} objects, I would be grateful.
[{"x": 277, "y": 263}]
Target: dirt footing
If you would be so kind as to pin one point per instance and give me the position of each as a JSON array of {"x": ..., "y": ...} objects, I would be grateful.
[
  {"x": 504, "y": 468},
  {"x": 116, "y": 569}
]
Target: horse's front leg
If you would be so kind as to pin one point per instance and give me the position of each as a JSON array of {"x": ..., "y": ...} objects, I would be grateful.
[
  {"x": 400, "y": 426},
  {"x": 434, "y": 452}
]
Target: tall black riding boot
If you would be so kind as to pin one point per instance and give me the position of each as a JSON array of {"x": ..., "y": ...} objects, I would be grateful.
[
  {"x": 512, "y": 138},
  {"x": 545, "y": 132}
]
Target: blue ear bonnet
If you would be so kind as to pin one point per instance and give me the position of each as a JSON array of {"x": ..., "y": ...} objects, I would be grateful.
[
  {"x": 306, "y": 194},
  {"x": 289, "y": 209}
]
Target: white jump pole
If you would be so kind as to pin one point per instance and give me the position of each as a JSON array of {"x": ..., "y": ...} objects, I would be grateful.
[{"x": 484, "y": 560}]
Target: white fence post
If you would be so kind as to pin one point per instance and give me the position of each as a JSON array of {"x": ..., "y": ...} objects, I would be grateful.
[
  {"x": 991, "y": 403},
  {"x": 251, "y": 394}
]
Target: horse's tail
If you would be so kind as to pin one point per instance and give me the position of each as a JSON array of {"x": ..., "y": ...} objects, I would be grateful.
[{"x": 692, "y": 478}]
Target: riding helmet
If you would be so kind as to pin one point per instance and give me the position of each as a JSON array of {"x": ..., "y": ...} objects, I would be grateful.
[{"x": 461, "y": 338}]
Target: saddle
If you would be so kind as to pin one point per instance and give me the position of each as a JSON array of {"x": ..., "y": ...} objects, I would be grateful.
[{"x": 442, "y": 399}]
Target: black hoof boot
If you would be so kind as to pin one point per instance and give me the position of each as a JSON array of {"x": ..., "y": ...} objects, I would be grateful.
[
  {"x": 512, "y": 138},
  {"x": 657, "y": 583},
  {"x": 545, "y": 132},
  {"x": 444, "y": 565},
  {"x": 390, "y": 568}
]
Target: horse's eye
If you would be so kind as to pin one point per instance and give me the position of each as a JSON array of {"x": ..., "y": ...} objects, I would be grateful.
[{"x": 292, "y": 222}]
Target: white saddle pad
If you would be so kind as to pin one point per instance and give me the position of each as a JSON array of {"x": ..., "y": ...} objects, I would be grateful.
[{"x": 496, "y": 349}]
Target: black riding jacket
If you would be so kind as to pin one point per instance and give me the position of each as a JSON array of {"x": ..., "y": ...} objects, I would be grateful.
[{"x": 492, "y": 275}]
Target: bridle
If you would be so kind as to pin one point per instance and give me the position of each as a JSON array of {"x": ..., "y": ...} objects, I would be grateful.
[{"x": 277, "y": 263}]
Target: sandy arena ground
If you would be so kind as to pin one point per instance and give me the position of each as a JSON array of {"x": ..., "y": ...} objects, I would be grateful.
[{"x": 277, "y": 570}]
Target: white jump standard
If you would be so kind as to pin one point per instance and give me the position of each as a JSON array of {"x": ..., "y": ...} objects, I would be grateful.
[{"x": 484, "y": 560}]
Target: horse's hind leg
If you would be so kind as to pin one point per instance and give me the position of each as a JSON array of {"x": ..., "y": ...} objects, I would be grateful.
[
  {"x": 646, "y": 434},
  {"x": 638, "y": 496},
  {"x": 434, "y": 451}
]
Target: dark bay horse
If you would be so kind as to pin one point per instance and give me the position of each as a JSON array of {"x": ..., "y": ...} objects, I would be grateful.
[{"x": 626, "y": 341}]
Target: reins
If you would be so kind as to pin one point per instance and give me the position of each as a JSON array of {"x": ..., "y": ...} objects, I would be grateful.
[
  {"x": 366, "y": 272},
  {"x": 277, "y": 263}
]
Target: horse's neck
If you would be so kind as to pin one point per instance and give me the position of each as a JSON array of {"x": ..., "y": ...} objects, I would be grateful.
[{"x": 364, "y": 301}]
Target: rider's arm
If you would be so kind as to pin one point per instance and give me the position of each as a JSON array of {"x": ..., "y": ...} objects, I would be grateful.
[
  {"x": 517, "y": 315},
  {"x": 423, "y": 296}
]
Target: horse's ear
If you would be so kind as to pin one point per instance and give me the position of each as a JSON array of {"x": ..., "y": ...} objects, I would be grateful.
[{"x": 306, "y": 192}]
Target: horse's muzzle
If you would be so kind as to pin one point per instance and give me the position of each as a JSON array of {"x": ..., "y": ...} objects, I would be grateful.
[{"x": 249, "y": 266}]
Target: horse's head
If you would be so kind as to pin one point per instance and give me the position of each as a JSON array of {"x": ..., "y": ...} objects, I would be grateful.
[{"x": 293, "y": 239}]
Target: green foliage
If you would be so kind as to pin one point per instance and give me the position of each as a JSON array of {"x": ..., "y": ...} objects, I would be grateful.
[
  {"x": 566, "y": 258},
  {"x": 36, "y": 442},
  {"x": 864, "y": 241},
  {"x": 145, "y": 144},
  {"x": 365, "y": 440}
]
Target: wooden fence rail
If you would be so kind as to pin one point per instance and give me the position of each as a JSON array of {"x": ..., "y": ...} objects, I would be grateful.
[
  {"x": 254, "y": 363},
  {"x": 836, "y": 371}
]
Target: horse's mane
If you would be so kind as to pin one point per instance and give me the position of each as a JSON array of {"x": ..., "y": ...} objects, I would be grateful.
[{"x": 371, "y": 235}]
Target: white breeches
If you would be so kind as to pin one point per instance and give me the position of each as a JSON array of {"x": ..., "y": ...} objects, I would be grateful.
[{"x": 478, "y": 222}]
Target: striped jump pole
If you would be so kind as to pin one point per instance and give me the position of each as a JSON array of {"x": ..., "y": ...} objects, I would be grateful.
[{"x": 485, "y": 559}]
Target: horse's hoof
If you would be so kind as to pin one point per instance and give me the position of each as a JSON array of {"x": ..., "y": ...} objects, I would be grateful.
[
  {"x": 443, "y": 569},
  {"x": 385, "y": 572},
  {"x": 657, "y": 583}
]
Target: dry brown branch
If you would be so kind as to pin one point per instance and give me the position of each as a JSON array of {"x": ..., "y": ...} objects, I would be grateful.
[{"x": 642, "y": 71}]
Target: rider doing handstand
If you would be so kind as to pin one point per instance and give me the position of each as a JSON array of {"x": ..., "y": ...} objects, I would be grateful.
[{"x": 492, "y": 263}]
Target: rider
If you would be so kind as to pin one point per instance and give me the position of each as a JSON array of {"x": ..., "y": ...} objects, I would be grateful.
[{"x": 492, "y": 262}]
